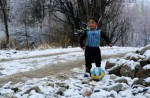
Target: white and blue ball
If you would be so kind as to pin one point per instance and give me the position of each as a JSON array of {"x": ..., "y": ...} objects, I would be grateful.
[{"x": 97, "y": 73}]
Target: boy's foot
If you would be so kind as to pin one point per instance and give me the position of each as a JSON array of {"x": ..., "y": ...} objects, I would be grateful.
[{"x": 86, "y": 74}]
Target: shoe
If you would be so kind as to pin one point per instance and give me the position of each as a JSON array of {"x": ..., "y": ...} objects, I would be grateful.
[{"x": 86, "y": 74}]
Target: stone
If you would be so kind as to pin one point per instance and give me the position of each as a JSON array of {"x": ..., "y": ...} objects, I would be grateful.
[
  {"x": 133, "y": 56},
  {"x": 144, "y": 73},
  {"x": 115, "y": 70},
  {"x": 112, "y": 76},
  {"x": 115, "y": 87},
  {"x": 85, "y": 82},
  {"x": 110, "y": 63},
  {"x": 144, "y": 63},
  {"x": 15, "y": 89},
  {"x": 137, "y": 81},
  {"x": 127, "y": 71},
  {"x": 62, "y": 85},
  {"x": 50, "y": 84},
  {"x": 143, "y": 50},
  {"x": 86, "y": 91},
  {"x": 146, "y": 82},
  {"x": 37, "y": 89},
  {"x": 60, "y": 91},
  {"x": 130, "y": 69},
  {"x": 121, "y": 80}
]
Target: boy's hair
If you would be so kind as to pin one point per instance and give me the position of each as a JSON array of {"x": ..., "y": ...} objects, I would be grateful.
[{"x": 93, "y": 18}]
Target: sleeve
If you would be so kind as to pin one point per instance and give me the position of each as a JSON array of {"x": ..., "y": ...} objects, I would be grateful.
[
  {"x": 82, "y": 38},
  {"x": 104, "y": 36}
]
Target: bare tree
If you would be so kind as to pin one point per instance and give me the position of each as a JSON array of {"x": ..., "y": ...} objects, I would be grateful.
[{"x": 3, "y": 8}]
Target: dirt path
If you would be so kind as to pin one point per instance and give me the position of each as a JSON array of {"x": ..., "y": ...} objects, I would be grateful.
[{"x": 51, "y": 70}]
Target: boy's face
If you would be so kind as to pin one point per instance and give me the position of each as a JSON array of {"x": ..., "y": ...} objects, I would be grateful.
[{"x": 92, "y": 24}]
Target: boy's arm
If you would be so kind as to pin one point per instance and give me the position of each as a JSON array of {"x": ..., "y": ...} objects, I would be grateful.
[
  {"x": 82, "y": 38},
  {"x": 103, "y": 35}
]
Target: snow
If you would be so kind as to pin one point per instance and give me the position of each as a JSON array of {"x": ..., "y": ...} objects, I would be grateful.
[
  {"x": 48, "y": 86},
  {"x": 112, "y": 60},
  {"x": 147, "y": 80},
  {"x": 146, "y": 67},
  {"x": 132, "y": 64},
  {"x": 122, "y": 62},
  {"x": 135, "y": 56},
  {"x": 13, "y": 61},
  {"x": 75, "y": 90},
  {"x": 147, "y": 54}
]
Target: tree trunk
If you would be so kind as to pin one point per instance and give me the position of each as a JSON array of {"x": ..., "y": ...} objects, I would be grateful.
[{"x": 6, "y": 26}]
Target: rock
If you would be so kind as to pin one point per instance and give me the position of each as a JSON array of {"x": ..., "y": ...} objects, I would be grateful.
[
  {"x": 85, "y": 82},
  {"x": 37, "y": 89},
  {"x": 96, "y": 91},
  {"x": 86, "y": 91},
  {"x": 146, "y": 82},
  {"x": 130, "y": 69},
  {"x": 126, "y": 71},
  {"x": 144, "y": 63},
  {"x": 137, "y": 81},
  {"x": 50, "y": 84},
  {"x": 143, "y": 50},
  {"x": 15, "y": 89},
  {"x": 4, "y": 96},
  {"x": 60, "y": 91},
  {"x": 144, "y": 73},
  {"x": 121, "y": 80},
  {"x": 110, "y": 63},
  {"x": 112, "y": 76},
  {"x": 134, "y": 57},
  {"x": 62, "y": 85},
  {"x": 115, "y": 70},
  {"x": 115, "y": 87}
]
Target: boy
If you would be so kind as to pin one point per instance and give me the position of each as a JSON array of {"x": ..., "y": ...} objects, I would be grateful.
[{"x": 92, "y": 50}]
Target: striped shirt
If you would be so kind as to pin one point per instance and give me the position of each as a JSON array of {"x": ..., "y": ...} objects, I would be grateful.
[{"x": 93, "y": 38}]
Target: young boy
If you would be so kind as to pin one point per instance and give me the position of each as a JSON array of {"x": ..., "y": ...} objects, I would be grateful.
[{"x": 92, "y": 50}]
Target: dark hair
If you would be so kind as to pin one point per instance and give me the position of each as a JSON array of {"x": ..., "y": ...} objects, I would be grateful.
[{"x": 93, "y": 18}]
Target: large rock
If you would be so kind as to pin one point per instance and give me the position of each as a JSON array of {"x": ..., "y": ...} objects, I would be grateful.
[
  {"x": 144, "y": 63},
  {"x": 116, "y": 69},
  {"x": 147, "y": 55},
  {"x": 134, "y": 57},
  {"x": 130, "y": 69},
  {"x": 144, "y": 49},
  {"x": 110, "y": 63},
  {"x": 146, "y": 82},
  {"x": 145, "y": 72},
  {"x": 137, "y": 81}
]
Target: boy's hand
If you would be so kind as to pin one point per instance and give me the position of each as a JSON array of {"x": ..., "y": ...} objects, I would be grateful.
[
  {"x": 110, "y": 45},
  {"x": 83, "y": 48}
]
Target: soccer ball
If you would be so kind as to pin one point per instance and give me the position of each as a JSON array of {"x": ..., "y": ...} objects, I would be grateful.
[{"x": 97, "y": 73}]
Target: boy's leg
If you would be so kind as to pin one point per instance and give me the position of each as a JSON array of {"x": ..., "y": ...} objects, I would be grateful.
[
  {"x": 88, "y": 63},
  {"x": 88, "y": 66},
  {"x": 98, "y": 58}
]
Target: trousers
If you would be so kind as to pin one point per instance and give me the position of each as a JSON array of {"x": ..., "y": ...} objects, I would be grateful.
[{"x": 92, "y": 55}]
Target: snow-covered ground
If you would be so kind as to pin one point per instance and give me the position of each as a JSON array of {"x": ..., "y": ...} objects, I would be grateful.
[
  {"x": 12, "y": 61},
  {"x": 74, "y": 86}
]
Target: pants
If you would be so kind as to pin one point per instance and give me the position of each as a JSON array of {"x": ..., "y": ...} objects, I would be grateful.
[{"x": 92, "y": 55}]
